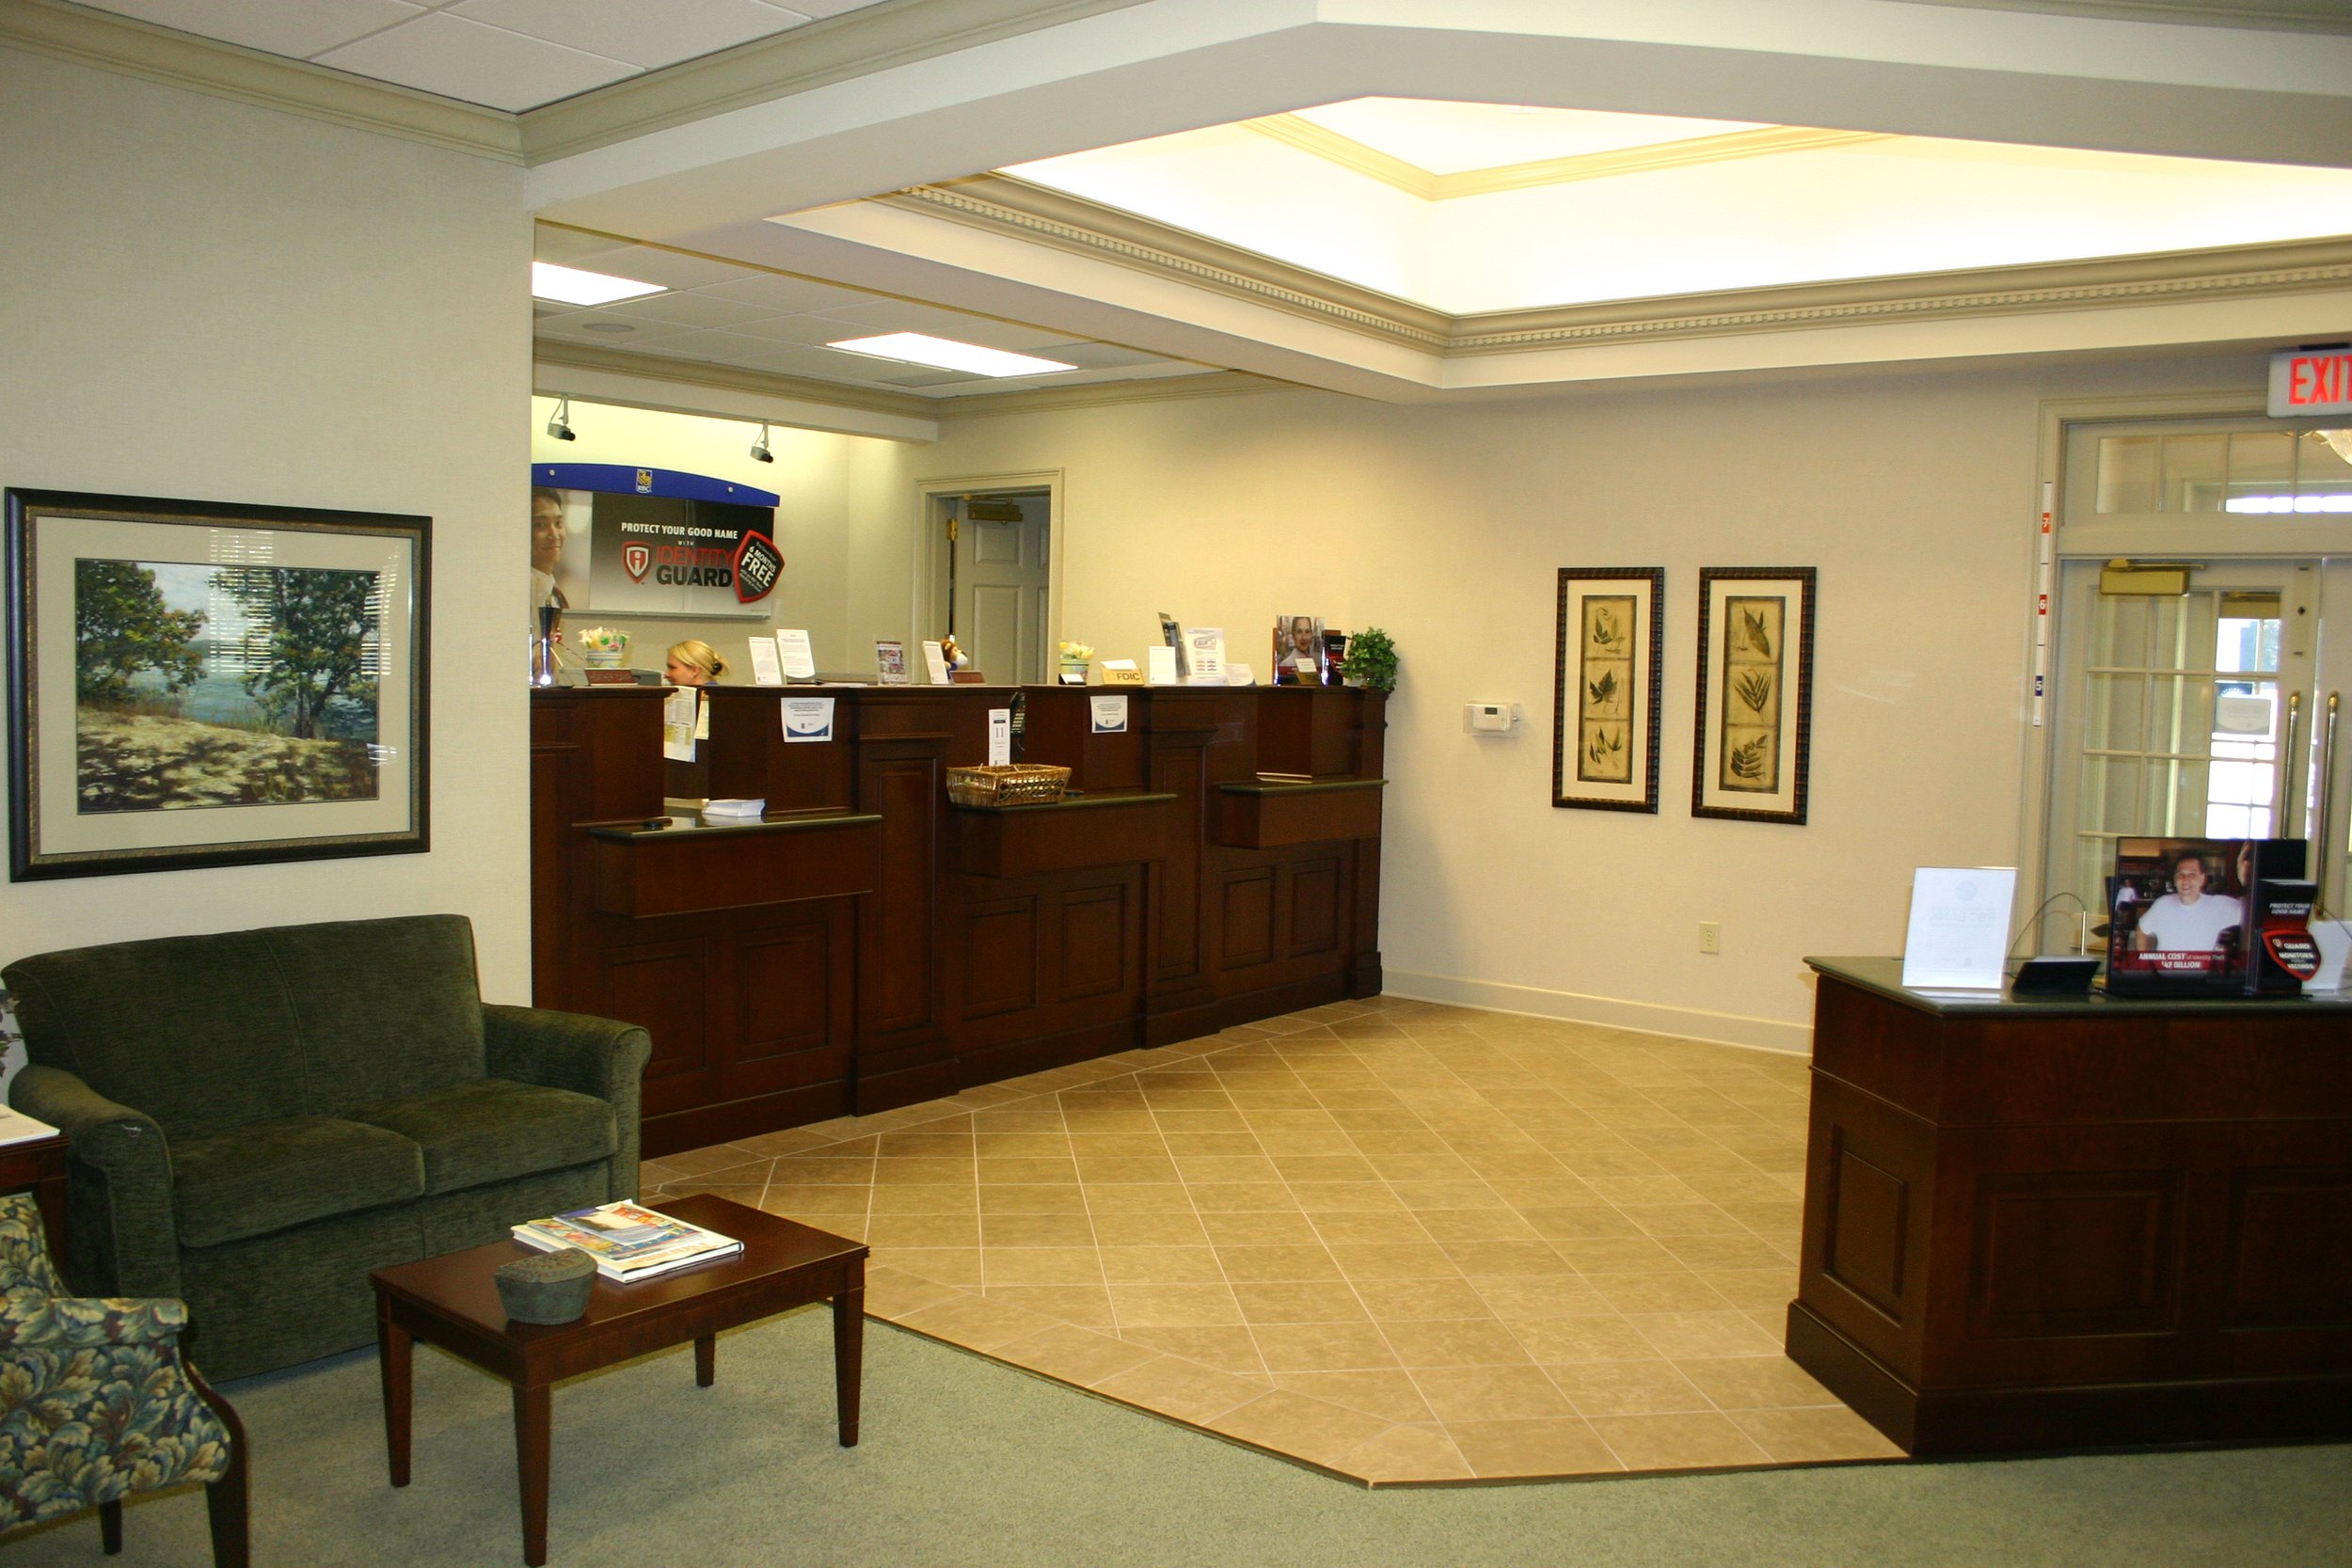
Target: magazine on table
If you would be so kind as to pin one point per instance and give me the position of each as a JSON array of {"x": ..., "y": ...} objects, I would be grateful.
[{"x": 628, "y": 1240}]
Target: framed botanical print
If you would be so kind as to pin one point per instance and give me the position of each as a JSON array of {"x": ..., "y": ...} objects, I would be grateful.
[
  {"x": 198, "y": 684},
  {"x": 1605, "y": 690},
  {"x": 1755, "y": 693}
]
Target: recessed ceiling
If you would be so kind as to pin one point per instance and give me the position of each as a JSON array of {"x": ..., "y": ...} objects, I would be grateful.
[
  {"x": 1471, "y": 207},
  {"x": 739, "y": 318}
]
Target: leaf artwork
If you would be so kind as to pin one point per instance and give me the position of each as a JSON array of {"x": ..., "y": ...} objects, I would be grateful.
[
  {"x": 1747, "y": 762},
  {"x": 1755, "y": 689},
  {"x": 1604, "y": 690},
  {"x": 1605, "y": 744},
  {"x": 1610, "y": 634},
  {"x": 1753, "y": 633}
]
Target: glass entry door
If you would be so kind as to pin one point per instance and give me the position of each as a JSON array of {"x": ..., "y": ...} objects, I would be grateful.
[{"x": 2206, "y": 714}]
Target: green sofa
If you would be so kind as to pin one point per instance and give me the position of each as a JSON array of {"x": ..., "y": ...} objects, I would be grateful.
[{"x": 260, "y": 1117}]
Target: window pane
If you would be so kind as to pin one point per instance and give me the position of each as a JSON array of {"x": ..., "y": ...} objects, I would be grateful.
[
  {"x": 2262, "y": 472},
  {"x": 2110, "y": 794},
  {"x": 2323, "y": 478},
  {"x": 2175, "y": 804},
  {"x": 2127, "y": 473},
  {"x": 2119, "y": 633},
  {"x": 2181, "y": 636},
  {"x": 2193, "y": 473},
  {"x": 2114, "y": 716},
  {"x": 2180, "y": 716}
]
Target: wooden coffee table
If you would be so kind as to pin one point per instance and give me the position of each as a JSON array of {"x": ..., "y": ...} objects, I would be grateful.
[{"x": 451, "y": 1302}]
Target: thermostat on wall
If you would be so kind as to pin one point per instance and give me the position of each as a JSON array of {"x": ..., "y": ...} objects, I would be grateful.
[{"x": 1496, "y": 719}]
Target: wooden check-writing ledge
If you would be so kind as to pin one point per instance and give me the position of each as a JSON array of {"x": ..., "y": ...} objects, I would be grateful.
[{"x": 453, "y": 1302}]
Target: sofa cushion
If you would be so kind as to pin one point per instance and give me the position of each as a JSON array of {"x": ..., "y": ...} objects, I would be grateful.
[
  {"x": 493, "y": 1129},
  {"x": 197, "y": 1032},
  {"x": 384, "y": 1007},
  {"x": 259, "y": 1179}
]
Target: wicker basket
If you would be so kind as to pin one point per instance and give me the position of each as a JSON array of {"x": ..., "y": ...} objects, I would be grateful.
[{"x": 1023, "y": 783}]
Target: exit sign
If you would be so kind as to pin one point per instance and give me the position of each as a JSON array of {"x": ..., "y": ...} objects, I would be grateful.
[{"x": 2308, "y": 381}]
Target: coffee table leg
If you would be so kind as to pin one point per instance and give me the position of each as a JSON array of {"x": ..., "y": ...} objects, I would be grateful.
[
  {"x": 706, "y": 1360},
  {"x": 849, "y": 1345},
  {"x": 393, "y": 1356},
  {"x": 531, "y": 1468}
]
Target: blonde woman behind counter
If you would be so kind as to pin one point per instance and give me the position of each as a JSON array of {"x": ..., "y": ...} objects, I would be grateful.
[{"x": 695, "y": 663}]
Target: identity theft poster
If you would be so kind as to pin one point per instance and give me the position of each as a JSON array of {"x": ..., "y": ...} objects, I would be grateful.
[{"x": 628, "y": 541}]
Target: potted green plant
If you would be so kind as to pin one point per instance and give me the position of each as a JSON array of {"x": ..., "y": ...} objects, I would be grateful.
[{"x": 1371, "y": 661}]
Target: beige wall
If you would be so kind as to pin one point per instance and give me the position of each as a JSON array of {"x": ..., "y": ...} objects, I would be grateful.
[
  {"x": 208, "y": 300},
  {"x": 1914, "y": 496}
]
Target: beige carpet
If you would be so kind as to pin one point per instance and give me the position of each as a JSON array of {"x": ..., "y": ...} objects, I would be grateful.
[{"x": 1399, "y": 1242}]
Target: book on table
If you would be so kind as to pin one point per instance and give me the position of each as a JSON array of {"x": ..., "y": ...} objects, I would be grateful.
[{"x": 628, "y": 1240}]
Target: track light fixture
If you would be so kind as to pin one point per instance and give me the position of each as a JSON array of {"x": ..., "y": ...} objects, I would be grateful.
[
  {"x": 759, "y": 448},
  {"x": 560, "y": 424}
]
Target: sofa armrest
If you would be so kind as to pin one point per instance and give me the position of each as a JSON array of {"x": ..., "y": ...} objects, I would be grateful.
[
  {"x": 597, "y": 1057},
  {"x": 120, "y": 1231}
]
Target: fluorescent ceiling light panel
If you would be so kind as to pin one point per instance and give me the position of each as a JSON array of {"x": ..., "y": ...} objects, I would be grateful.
[
  {"x": 921, "y": 348},
  {"x": 574, "y": 287}
]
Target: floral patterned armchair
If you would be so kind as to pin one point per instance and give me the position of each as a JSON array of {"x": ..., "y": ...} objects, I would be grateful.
[{"x": 96, "y": 1402}]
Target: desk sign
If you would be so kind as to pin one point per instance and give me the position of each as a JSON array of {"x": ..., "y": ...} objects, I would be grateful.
[
  {"x": 1958, "y": 936},
  {"x": 1000, "y": 738},
  {"x": 807, "y": 720},
  {"x": 1110, "y": 715},
  {"x": 2309, "y": 381}
]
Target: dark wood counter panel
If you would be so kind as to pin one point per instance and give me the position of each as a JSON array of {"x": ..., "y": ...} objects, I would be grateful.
[
  {"x": 870, "y": 945},
  {"x": 2040, "y": 1223}
]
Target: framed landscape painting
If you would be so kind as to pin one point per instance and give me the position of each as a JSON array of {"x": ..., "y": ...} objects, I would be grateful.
[
  {"x": 1755, "y": 693},
  {"x": 203, "y": 683},
  {"x": 1605, "y": 692}
]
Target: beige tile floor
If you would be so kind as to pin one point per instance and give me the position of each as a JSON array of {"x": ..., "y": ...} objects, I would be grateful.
[{"x": 1400, "y": 1242}]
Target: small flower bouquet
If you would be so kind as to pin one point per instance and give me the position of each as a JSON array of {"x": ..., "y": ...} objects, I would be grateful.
[
  {"x": 1076, "y": 653},
  {"x": 602, "y": 647}
]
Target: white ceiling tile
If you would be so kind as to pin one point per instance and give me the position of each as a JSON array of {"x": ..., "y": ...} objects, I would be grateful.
[
  {"x": 685, "y": 310},
  {"x": 787, "y": 294},
  {"x": 273, "y": 26},
  {"x": 898, "y": 315},
  {"x": 670, "y": 268},
  {"x": 650, "y": 33},
  {"x": 594, "y": 326},
  {"x": 809, "y": 331},
  {"x": 1099, "y": 356},
  {"x": 462, "y": 59},
  {"x": 828, "y": 8}
]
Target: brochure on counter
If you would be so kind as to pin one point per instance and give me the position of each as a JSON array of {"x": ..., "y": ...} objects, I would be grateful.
[{"x": 628, "y": 1240}]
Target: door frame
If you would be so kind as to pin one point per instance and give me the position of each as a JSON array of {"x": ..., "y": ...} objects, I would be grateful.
[
  {"x": 2093, "y": 540},
  {"x": 932, "y": 553}
]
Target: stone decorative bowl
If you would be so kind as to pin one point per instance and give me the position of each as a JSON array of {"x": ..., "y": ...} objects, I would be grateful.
[{"x": 549, "y": 1288}]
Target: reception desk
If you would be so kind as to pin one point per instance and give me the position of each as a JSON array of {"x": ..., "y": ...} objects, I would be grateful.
[
  {"x": 868, "y": 944},
  {"x": 2037, "y": 1222}
]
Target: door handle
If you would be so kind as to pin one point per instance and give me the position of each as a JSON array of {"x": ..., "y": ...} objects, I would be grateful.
[
  {"x": 2282, "y": 810},
  {"x": 2322, "y": 791}
]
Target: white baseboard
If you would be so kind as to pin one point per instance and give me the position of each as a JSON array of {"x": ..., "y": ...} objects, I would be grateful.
[{"x": 1691, "y": 1023}]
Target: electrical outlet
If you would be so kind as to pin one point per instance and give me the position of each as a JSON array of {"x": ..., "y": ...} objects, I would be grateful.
[{"x": 1711, "y": 935}]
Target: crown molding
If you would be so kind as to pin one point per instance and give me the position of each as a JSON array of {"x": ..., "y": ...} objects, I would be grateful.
[
  {"x": 1095, "y": 394},
  {"x": 1033, "y": 213},
  {"x": 2294, "y": 266},
  {"x": 1349, "y": 153},
  {"x": 1002, "y": 204},
  {"x": 733, "y": 378},
  {"x": 863, "y": 43},
  {"x": 63, "y": 31},
  {"x": 2286, "y": 16}
]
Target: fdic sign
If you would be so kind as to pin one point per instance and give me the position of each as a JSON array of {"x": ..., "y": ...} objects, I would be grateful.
[{"x": 2311, "y": 381}]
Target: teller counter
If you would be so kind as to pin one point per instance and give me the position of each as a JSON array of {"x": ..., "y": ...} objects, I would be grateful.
[{"x": 868, "y": 944}]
